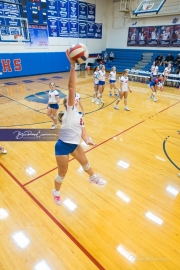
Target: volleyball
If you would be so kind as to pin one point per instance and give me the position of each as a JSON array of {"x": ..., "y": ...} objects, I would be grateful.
[{"x": 79, "y": 53}]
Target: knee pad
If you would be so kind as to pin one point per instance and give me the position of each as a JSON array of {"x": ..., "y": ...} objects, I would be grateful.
[
  {"x": 54, "y": 117},
  {"x": 86, "y": 167},
  {"x": 118, "y": 99},
  {"x": 125, "y": 99},
  {"x": 58, "y": 178},
  {"x": 154, "y": 93}
]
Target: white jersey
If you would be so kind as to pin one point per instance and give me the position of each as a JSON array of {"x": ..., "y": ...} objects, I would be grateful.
[
  {"x": 96, "y": 75},
  {"x": 153, "y": 35},
  {"x": 102, "y": 75},
  {"x": 71, "y": 128},
  {"x": 152, "y": 68},
  {"x": 166, "y": 71},
  {"x": 124, "y": 83},
  {"x": 133, "y": 37},
  {"x": 52, "y": 96},
  {"x": 141, "y": 36},
  {"x": 155, "y": 71},
  {"x": 165, "y": 35},
  {"x": 112, "y": 75}
]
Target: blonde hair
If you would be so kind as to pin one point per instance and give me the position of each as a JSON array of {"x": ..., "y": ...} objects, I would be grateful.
[{"x": 52, "y": 83}]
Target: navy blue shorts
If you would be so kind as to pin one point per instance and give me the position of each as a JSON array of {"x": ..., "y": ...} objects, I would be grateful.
[
  {"x": 101, "y": 82},
  {"x": 53, "y": 106},
  {"x": 112, "y": 81},
  {"x": 64, "y": 149},
  {"x": 152, "y": 84}
]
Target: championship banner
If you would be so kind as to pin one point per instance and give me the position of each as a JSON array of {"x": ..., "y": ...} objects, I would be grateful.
[
  {"x": 53, "y": 27},
  {"x": 64, "y": 28},
  {"x": 73, "y": 29},
  {"x": 73, "y": 9},
  {"x": 52, "y": 8},
  {"x": 91, "y": 30},
  {"x": 98, "y": 30},
  {"x": 39, "y": 37},
  {"x": 82, "y": 29},
  {"x": 91, "y": 12},
  {"x": 63, "y": 7},
  {"x": 154, "y": 36},
  {"x": 82, "y": 11}
]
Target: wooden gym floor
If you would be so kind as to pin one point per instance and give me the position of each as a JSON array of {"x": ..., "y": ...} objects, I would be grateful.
[{"x": 132, "y": 222}]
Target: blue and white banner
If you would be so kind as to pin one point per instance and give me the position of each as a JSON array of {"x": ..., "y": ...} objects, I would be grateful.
[
  {"x": 63, "y": 27},
  {"x": 82, "y": 29},
  {"x": 91, "y": 12},
  {"x": 39, "y": 37},
  {"x": 82, "y": 11},
  {"x": 53, "y": 27},
  {"x": 73, "y": 9},
  {"x": 52, "y": 8},
  {"x": 63, "y": 7},
  {"x": 1, "y": 9},
  {"x": 91, "y": 30},
  {"x": 12, "y": 22},
  {"x": 98, "y": 30},
  {"x": 11, "y": 10},
  {"x": 2, "y": 21},
  {"x": 73, "y": 29}
]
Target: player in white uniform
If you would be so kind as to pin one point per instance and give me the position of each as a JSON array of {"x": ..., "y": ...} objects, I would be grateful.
[
  {"x": 154, "y": 34},
  {"x": 124, "y": 87},
  {"x": 112, "y": 81},
  {"x": 101, "y": 77},
  {"x": 166, "y": 72},
  {"x": 96, "y": 84},
  {"x": 72, "y": 130},
  {"x": 53, "y": 106},
  {"x": 2, "y": 150},
  {"x": 78, "y": 102}
]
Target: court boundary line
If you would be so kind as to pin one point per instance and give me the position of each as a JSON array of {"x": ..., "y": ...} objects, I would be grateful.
[
  {"x": 105, "y": 141},
  {"x": 63, "y": 229},
  {"x": 165, "y": 152}
]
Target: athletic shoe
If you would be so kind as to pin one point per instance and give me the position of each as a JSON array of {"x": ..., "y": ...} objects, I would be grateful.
[
  {"x": 57, "y": 198},
  {"x": 116, "y": 107},
  {"x": 179, "y": 174},
  {"x": 110, "y": 95},
  {"x": 155, "y": 99},
  {"x": 96, "y": 180},
  {"x": 115, "y": 95},
  {"x": 2, "y": 150},
  {"x": 93, "y": 100},
  {"x": 97, "y": 102},
  {"x": 54, "y": 127},
  {"x": 102, "y": 101},
  {"x": 151, "y": 96},
  {"x": 126, "y": 108}
]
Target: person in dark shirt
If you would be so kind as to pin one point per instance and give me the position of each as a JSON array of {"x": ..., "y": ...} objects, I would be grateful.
[
  {"x": 158, "y": 60},
  {"x": 169, "y": 59}
]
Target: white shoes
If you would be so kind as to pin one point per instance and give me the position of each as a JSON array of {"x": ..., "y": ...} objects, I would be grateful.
[
  {"x": 57, "y": 198},
  {"x": 116, "y": 107},
  {"x": 179, "y": 174},
  {"x": 155, "y": 99},
  {"x": 97, "y": 102},
  {"x": 54, "y": 126},
  {"x": 2, "y": 150},
  {"x": 101, "y": 101},
  {"x": 126, "y": 108},
  {"x": 95, "y": 179},
  {"x": 92, "y": 100}
]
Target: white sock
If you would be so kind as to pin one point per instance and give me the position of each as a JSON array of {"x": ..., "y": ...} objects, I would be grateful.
[
  {"x": 56, "y": 193},
  {"x": 93, "y": 176}
]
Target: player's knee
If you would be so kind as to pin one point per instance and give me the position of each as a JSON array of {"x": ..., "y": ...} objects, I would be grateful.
[
  {"x": 54, "y": 117},
  {"x": 86, "y": 167},
  {"x": 125, "y": 99},
  {"x": 59, "y": 179}
]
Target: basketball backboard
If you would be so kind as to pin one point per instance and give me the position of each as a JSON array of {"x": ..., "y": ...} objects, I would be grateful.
[{"x": 147, "y": 6}]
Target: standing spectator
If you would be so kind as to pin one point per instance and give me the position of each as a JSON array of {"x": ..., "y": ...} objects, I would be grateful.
[
  {"x": 168, "y": 60},
  {"x": 177, "y": 61},
  {"x": 111, "y": 56},
  {"x": 159, "y": 60},
  {"x": 98, "y": 59}
]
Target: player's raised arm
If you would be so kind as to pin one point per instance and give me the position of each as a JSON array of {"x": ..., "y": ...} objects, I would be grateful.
[{"x": 72, "y": 81}]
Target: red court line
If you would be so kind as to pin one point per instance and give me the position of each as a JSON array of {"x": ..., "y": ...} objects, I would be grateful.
[
  {"x": 105, "y": 141},
  {"x": 85, "y": 152},
  {"x": 68, "y": 234}
]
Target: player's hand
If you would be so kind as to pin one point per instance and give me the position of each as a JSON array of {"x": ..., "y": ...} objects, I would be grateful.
[
  {"x": 130, "y": 90},
  {"x": 72, "y": 62},
  {"x": 91, "y": 143}
]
